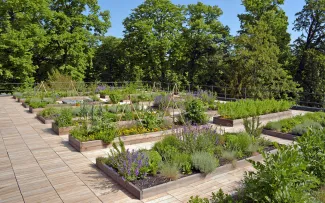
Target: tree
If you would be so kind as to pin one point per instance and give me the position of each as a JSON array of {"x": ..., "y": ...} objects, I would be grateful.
[
  {"x": 206, "y": 43},
  {"x": 255, "y": 64},
  {"x": 151, "y": 33},
  {"x": 21, "y": 33},
  {"x": 270, "y": 12},
  {"x": 73, "y": 30},
  {"x": 106, "y": 60},
  {"x": 310, "y": 47}
]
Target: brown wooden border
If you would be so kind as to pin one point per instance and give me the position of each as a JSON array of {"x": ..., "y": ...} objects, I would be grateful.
[
  {"x": 43, "y": 120},
  {"x": 163, "y": 188},
  {"x": 230, "y": 123},
  {"x": 35, "y": 110},
  {"x": 282, "y": 135},
  {"x": 61, "y": 131},
  {"x": 128, "y": 140}
]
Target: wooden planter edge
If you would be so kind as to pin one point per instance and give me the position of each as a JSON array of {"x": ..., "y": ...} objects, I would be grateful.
[{"x": 162, "y": 188}]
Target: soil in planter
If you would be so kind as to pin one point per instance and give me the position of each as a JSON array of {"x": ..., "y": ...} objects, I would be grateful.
[{"x": 151, "y": 181}]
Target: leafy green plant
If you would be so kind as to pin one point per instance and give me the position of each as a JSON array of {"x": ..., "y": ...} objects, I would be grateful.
[
  {"x": 116, "y": 97},
  {"x": 65, "y": 118},
  {"x": 49, "y": 113},
  {"x": 154, "y": 161},
  {"x": 204, "y": 162},
  {"x": 151, "y": 121},
  {"x": 283, "y": 177},
  {"x": 183, "y": 162},
  {"x": 169, "y": 170},
  {"x": 253, "y": 126},
  {"x": 238, "y": 142},
  {"x": 195, "y": 112}
]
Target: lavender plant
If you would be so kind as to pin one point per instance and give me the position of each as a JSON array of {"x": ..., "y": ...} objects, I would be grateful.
[{"x": 131, "y": 165}]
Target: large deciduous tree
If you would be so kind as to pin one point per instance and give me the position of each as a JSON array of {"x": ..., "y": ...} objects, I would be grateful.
[
  {"x": 151, "y": 33},
  {"x": 206, "y": 43},
  {"x": 268, "y": 11},
  {"x": 21, "y": 34},
  {"x": 309, "y": 49},
  {"x": 73, "y": 30},
  {"x": 256, "y": 69}
]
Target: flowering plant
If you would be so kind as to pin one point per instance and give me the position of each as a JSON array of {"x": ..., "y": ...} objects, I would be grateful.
[{"x": 131, "y": 165}]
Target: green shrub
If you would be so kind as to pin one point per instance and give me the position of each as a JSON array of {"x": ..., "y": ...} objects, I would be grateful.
[
  {"x": 65, "y": 118},
  {"x": 229, "y": 155},
  {"x": 250, "y": 108},
  {"x": 169, "y": 171},
  {"x": 195, "y": 112},
  {"x": 50, "y": 113},
  {"x": 312, "y": 146},
  {"x": 35, "y": 105},
  {"x": 154, "y": 161},
  {"x": 116, "y": 97},
  {"x": 183, "y": 162},
  {"x": 283, "y": 177},
  {"x": 204, "y": 162},
  {"x": 151, "y": 121},
  {"x": 167, "y": 147},
  {"x": 305, "y": 126},
  {"x": 238, "y": 142}
]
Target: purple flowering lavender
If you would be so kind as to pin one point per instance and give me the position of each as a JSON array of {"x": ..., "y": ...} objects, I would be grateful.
[
  {"x": 131, "y": 165},
  {"x": 100, "y": 88}
]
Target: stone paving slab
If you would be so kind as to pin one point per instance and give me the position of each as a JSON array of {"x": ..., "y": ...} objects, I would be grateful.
[{"x": 38, "y": 166}]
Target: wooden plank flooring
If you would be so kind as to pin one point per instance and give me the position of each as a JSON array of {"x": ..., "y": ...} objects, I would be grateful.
[{"x": 38, "y": 166}]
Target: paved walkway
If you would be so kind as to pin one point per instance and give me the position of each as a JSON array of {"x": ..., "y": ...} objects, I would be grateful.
[{"x": 38, "y": 166}]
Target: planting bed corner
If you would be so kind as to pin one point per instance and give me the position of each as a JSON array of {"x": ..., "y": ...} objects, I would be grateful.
[
  {"x": 282, "y": 135},
  {"x": 43, "y": 120},
  {"x": 165, "y": 187},
  {"x": 35, "y": 110},
  {"x": 267, "y": 117},
  {"x": 62, "y": 130}
]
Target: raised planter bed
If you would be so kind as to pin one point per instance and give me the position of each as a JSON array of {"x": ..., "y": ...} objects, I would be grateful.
[
  {"x": 165, "y": 187},
  {"x": 282, "y": 135},
  {"x": 267, "y": 117},
  {"x": 36, "y": 110},
  {"x": 61, "y": 131},
  {"x": 43, "y": 120},
  {"x": 128, "y": 140}
]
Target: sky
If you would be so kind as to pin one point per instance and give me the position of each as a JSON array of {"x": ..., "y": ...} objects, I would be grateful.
[{"x": 120, "y": 9}]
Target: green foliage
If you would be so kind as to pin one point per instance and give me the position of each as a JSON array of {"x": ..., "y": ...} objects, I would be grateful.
[
  {"x": 250, "y": 108},
  {"x": 195, "y": 112},
  {"x": 154, "y": 161},
  {"x": 50, "y": 113},
  {"x": 204, "y": 162},
  {"x": 299, "y": 123},
  {"x": 151, "y": 121},
  {"x": 65, "y": 118},
  {"x": 239, "y": 143},
  {"x": 115, "y": 97},
  {"x": 253, "y": 126},
  {"x": 301, "y": 129},
  {"x": 183, "y": 162},
  {"x": 167, "y": 147},
  {"x": 283, "y": 177},
  {"x": 169, "y": 170},
  {"x": 312, "y": 146}
]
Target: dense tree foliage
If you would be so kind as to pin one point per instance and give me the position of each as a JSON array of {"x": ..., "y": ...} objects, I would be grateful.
[
  {"x": 168, "y": 43},
  {"x": 38, "y": 37}
]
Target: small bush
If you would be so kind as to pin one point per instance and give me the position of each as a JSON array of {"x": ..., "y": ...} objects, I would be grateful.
[
  {"x": 65, "y": 118},
  {"x": 195, "y": 112},
  {"x": 169, "y": 170},
  {"x": 116, "y": 97},
  {"x": 167, "y": 147},
  {"x": 183, "y": 162},
  {"x": 304, "y": 127},
  {"x": 229, "y": 155},
  {"x": 50, "y": 113},
  {"x": 204, "y": 162},
  {"x": 154, "y": 161}
]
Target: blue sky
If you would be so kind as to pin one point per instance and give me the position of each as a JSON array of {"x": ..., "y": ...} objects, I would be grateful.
[{"x": 120, "y": 9}]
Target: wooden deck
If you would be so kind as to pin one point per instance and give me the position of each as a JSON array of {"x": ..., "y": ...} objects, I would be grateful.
[{"x": 38, "y": 166}]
